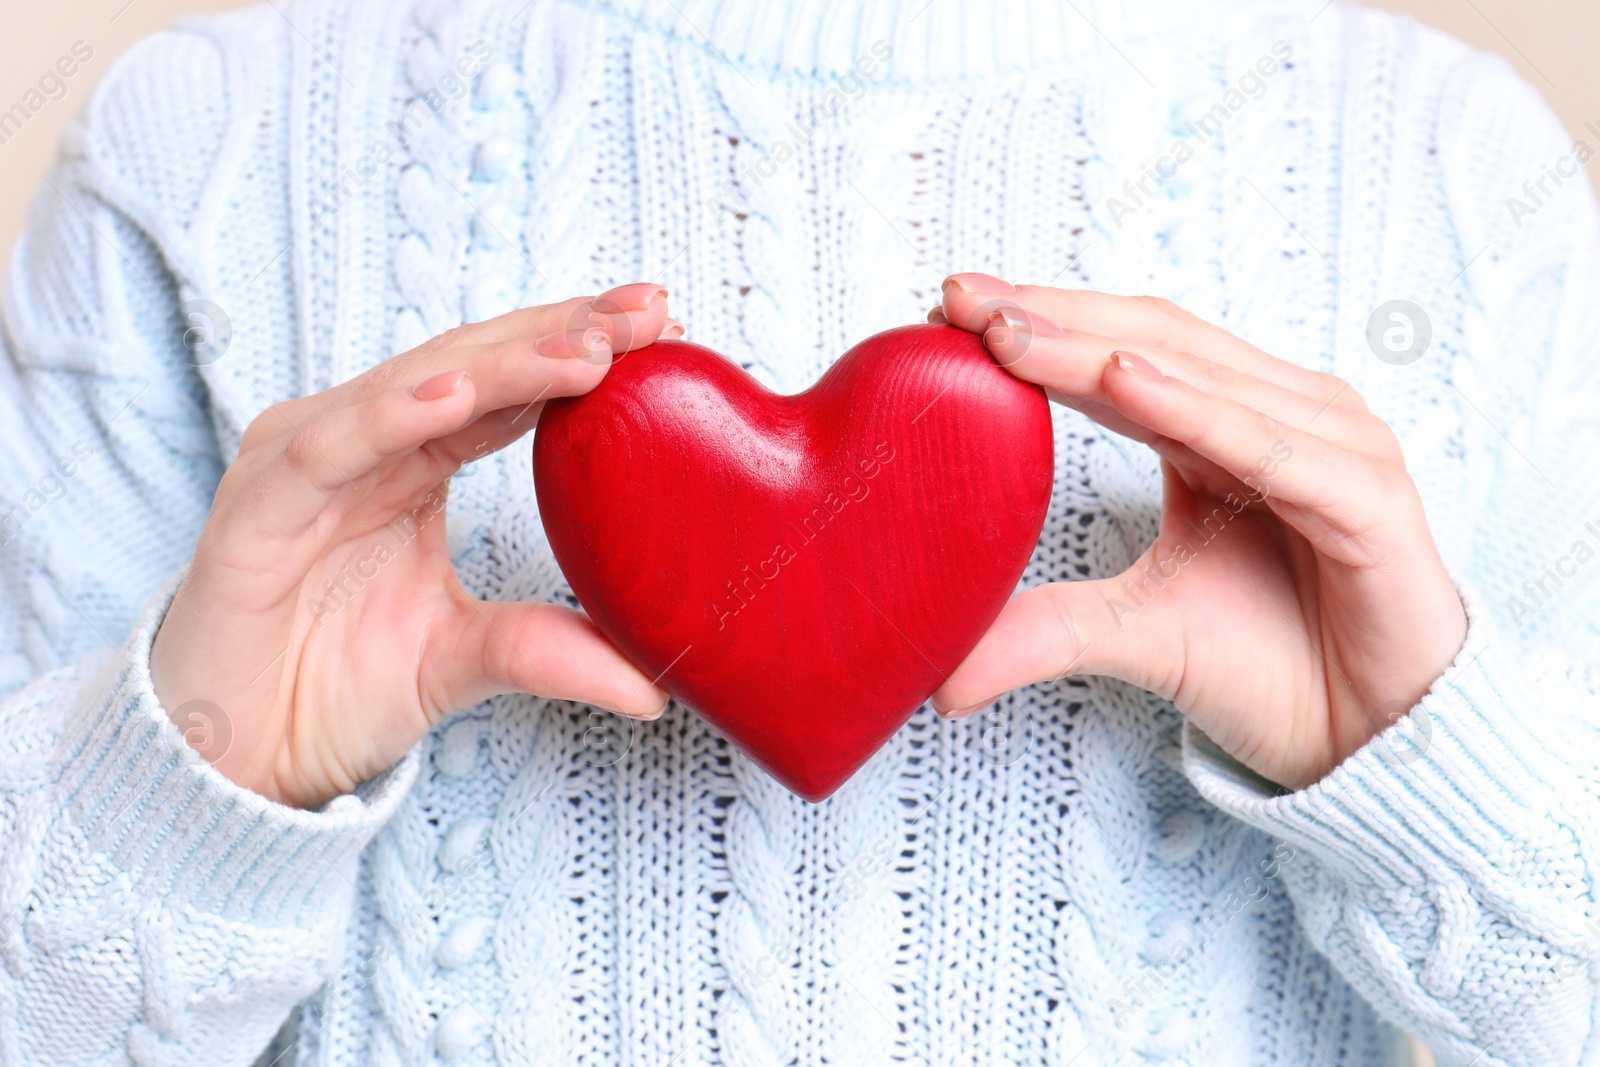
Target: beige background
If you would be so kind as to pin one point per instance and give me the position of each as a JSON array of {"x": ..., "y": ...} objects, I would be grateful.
[{"x": 1547, "y": 40}]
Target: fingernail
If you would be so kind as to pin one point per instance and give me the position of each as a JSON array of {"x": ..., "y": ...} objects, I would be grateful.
[
  {"x": 440, "y": 386},
  {"x": 624, "y": 298},
  {"x": 591, "y": 345},
  {"x": 671, "y": 330},
  {"x": 648, "y": 716},
  {"x": 936, "y": 316},
  {"x": 1017, "y": 319},
  {"x": 964, "y": 713},
  {"x": 1138, "y": 366},
  {"x": 980, "y": 283}
]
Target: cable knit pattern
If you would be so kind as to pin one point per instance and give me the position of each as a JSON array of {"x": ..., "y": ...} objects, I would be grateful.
[
  {"x": 1072, "y": 878},
  {"x": 563, "y": 67},
  {"x": 763, "y": 925},
  {"x": 533, "y": 938},
  {"x": 778, "y": 249}
]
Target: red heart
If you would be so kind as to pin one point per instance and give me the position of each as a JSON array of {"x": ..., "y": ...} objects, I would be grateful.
[{"x": 803, "y": 571}]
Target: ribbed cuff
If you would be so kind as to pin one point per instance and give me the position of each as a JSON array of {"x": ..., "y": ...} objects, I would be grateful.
[
  {"x": 147, "y": 801},
  {"x": 1466, "y": 773}
]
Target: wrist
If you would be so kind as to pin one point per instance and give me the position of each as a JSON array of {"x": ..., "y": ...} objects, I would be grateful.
[
  {"x": 1370, "y": 695},
  {"x": 146, "y": 801}
]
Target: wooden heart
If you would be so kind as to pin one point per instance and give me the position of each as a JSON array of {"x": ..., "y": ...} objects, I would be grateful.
[{"x": 803, "y": 571}]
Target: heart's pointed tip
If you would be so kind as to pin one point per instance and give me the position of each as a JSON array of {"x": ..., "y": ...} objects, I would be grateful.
[
  {"x": 808, "y": 784},
  {"x": 811, "y": 776},
  {"x": 814, "y": 794},
  {"x": 815, "y": 785}
]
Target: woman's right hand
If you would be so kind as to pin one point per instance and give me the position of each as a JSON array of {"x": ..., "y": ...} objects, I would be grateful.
[{"x": 321, "y": 629}]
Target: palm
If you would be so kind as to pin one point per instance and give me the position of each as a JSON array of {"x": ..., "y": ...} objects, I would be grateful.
[
  {"x": 1240, "y": 615},
  {"x": 376, "y": 604}
]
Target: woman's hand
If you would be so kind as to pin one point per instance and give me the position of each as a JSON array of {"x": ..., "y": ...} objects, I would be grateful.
[
  {"x": 1294, "y": 603},
  {"x": 321, "y": 619}
]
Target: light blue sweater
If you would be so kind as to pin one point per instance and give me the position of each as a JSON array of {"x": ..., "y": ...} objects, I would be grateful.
[{"x": 262, "y": 205}]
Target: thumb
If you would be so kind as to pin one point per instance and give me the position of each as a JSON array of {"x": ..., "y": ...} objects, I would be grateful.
[
  {"x": 1050, "y": 631},
  {"x": 544, "y": 649}
]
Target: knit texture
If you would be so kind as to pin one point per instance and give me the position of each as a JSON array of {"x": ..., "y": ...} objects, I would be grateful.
[{"x": 1072, "y": 879}]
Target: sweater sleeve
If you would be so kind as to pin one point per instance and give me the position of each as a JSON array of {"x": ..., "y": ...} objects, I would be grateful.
[
  {"x": 150, "y": 911},
  {"x": 1451, "y": 868}
]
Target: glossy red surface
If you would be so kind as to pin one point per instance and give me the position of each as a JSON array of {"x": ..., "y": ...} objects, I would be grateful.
[{"x": 802, "y": 571}]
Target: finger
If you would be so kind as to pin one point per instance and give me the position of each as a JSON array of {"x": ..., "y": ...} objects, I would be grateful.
[
  {"x": 502, "y": 427},
  {"x": 529, "y": 355},
  {"x": 1034, "y": 350},
  {"x": 447, "y": 352},
  {"x": 336, "y": 451},
  {"x": 1074, "y": 363},
  {"x": 522, "y": 371},
  {"x": 568, "y": 361},
  {"x": 483, "y": 437},
  {"x": 542, "y": 649},
  {"x": 561, "y": 365},
  {"x": 1067, "y": 628},
  {"x": 536, "y": 321},
  {"x": 971, "y": 299},
  {"x": 634, "y": 314},
  {"x": 1339, "y": 485},
  {"x": 623, "y": 319},
  {"x": 440, "y": 458},
  {"x": 630, "y": 316},
  {"x": 634, "y": 310}
]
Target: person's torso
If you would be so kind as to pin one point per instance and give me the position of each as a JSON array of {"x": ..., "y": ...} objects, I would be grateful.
[{"x": 564, "y": 886}]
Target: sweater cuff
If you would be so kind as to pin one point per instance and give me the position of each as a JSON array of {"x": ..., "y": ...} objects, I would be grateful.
[
  {"x": 1455, "y": 776},
  {"x": 154, "y": 808}
]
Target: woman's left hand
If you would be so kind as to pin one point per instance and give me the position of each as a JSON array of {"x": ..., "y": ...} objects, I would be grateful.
[{"x": 1294, "y": 603}]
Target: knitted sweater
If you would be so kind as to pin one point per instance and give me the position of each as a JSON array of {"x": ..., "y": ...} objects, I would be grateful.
[{"x": 262, "y": 205}]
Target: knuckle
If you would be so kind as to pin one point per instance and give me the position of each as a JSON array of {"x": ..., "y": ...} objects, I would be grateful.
[
  {"x": 573, "y": 309},
  {"x": 1267, "y": 425},
  {"x": 1206, "y": 439},
  {"x": 1214, "y": 371},
  {"x": 369, "y": 417},
  {"x": 1024, "y": 292},
  {"x": 382, "y": 378},
  {"x": 1391, "y": 481},
  {"x": 451, "y": 338},
  {"x": 1162, "y": 307},
  {"x": 387, "y": 376},
  {"x": 300, "y": 451}
]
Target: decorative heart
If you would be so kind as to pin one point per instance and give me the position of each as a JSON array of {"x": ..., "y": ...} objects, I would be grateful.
[{"x": 802, "y": 571}]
